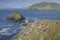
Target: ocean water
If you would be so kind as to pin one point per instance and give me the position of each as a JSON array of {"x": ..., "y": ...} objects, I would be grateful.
[{"x": 8, "y": 29}]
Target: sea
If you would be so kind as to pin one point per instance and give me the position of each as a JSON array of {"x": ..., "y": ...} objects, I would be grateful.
[{"x": 9, "y": 29}]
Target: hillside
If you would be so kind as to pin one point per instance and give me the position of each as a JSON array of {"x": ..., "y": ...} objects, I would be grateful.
[
  {"x": 40, "y": 30},
  {"x": 45, "y": 5}
]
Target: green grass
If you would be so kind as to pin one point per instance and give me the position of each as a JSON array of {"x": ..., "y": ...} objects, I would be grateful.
[
  {"x": 46, "y": 4},
  {"x": 35, "y": 35},
  {"x": 50, "y": 33}
]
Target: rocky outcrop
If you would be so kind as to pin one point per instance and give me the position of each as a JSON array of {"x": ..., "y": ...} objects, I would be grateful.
[{"x": 16, "y": 17}]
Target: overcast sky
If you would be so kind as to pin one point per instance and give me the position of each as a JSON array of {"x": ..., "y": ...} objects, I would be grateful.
[{"x": 21, "y": 3}]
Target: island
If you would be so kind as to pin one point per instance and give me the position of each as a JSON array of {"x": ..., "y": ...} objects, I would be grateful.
[
  {"x": 16, "y": 17},
  {"x": 45, "y": 5}
]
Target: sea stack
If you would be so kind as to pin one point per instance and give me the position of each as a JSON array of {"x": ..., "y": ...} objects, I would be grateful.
[{"x": 16, "y": 17}]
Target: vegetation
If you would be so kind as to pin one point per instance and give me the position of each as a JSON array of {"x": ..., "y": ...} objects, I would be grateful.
[
  {"x": 15, "y": 16},
  {"x": 45, "y": 5},
  {"x": 40, "y": 30}
]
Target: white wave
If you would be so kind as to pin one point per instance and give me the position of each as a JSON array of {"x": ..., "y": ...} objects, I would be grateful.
[{"x": 4, "y": 31}]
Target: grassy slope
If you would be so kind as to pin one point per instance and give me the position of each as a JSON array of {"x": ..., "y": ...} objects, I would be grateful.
[
  {"x": 45, "y": 5},
  {"x": 41, "y": 30}
]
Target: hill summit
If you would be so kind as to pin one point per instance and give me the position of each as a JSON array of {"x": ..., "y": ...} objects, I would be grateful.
[{"x": 45, "y": 5}]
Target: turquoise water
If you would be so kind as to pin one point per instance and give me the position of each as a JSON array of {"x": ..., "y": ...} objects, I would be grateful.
[{"x": 8, "y": 29}]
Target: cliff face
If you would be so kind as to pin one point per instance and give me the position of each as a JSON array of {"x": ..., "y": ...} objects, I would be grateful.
[
  {"x": 45, "y": 5},
  {"x": 40, "y": 30}
]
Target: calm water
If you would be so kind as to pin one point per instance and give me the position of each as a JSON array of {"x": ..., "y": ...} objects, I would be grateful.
[{"x": 8, "y": 29}]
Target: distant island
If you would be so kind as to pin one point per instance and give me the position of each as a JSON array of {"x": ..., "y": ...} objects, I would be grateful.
[{"x": 45, "y": 5}]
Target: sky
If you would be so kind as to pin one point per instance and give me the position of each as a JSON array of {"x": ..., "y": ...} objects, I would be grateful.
[{"x": 6, "y": 4}]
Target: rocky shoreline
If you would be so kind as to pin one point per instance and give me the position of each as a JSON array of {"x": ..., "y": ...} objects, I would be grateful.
[{"x": 36, "y": 30}]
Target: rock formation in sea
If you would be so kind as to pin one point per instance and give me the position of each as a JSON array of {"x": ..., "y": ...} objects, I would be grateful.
[{"x": 16, "y": 17}]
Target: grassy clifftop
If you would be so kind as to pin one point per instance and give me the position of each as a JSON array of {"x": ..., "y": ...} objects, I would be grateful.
[
  {"x": 45, "y": 5},
  {"x": 40, "y": 30}
]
